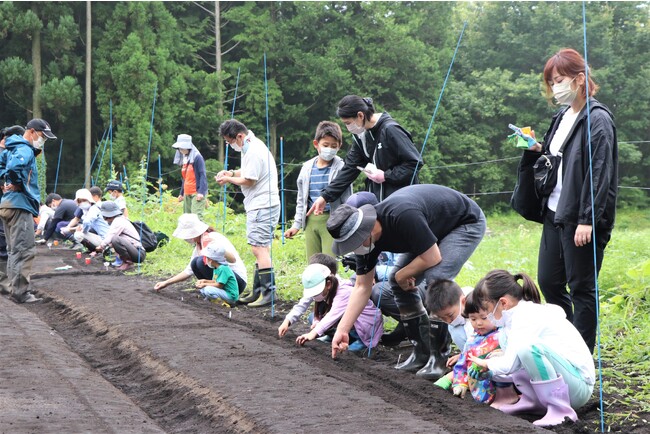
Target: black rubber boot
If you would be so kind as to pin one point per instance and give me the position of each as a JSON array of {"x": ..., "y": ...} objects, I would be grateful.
[
  {"x": 417, "y": 330},
  {"x": 255, "y": 292},
  {"x": 395, "y": 337},
  {"x": 267, "y": 285},
  {"x": 436, "y": 367}
]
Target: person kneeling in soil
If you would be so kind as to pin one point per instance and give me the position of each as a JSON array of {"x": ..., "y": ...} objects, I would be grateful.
[
  {"x": 303, "y": 304},
  {"x": 122, "y": 236},
  {"x": 200, "y": 235},
  {"x": 223, "y": 285},
  {"x": 446, "y": 300},
  {"x": 545, "y": 354},
  {"x": 331, "y": 297},
  {"x": 482, "y": 343}
]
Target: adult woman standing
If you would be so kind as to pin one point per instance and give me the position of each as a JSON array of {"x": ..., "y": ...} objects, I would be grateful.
[
  {"x": 566, "y": 252},
  {"x": 378, "y": 139},
  {"x": 194, "y": 184}
]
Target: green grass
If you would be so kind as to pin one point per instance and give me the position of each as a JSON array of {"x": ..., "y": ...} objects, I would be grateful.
[{"x": 511, "y": 243}]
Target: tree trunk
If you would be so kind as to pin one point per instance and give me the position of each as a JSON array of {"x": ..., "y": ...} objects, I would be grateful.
[
  {"x": 36, "y": 65},
  {"x": 88, "y": 91},
  {"x": 273, "y": 135}
]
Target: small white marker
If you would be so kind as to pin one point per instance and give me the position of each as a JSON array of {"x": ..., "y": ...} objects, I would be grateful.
[{"x": 229, "y": 314}]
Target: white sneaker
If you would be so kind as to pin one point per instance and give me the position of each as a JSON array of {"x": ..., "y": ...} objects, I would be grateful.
[{"x": 31, "y": 298}]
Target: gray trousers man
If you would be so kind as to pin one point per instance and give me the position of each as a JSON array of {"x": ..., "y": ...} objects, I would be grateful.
[{"x": 19, "y": 234}]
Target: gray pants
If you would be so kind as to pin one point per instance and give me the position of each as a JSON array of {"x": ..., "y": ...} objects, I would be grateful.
[
  {"x": 455, "y": 249},
  {"x": 91, "y": 241},
  {"x": 19, "y": 233},
  {"x": 124, "y": 247}
]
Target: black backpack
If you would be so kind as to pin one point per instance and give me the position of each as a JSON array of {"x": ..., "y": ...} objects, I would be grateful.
[{"x": 148, "y": 238}]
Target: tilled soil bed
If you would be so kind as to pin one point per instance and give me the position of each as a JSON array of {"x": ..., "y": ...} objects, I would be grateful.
[{"x": 194, "y": 366}]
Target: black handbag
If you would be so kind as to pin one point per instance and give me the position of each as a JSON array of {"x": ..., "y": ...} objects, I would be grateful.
[{"x": 524, "y": 198}]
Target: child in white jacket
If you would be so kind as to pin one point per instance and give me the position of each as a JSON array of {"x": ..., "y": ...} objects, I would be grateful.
[{"x": 545, "y": 354}]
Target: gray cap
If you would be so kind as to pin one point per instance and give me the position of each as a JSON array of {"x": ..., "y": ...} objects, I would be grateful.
[
  {"x": 350, "y": 227},
  {"x": 110, "y": 209}
]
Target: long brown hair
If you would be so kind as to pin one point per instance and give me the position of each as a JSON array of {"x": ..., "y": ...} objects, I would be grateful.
[
  {"x": 322, "y": 307},
  {"x": 499, "y": 283},
  {"x": 569, "y": 63}
]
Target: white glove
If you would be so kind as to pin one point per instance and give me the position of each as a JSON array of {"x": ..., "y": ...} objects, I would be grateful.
[{"x": 377, "y": 176}]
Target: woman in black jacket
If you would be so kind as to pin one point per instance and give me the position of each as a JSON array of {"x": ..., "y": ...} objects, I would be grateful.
[
  {"x": 566, "y": 252},
  {"x": 380, "y": 140}
]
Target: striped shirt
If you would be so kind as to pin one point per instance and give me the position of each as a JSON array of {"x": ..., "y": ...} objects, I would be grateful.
[{"x": 318, "y": 180}]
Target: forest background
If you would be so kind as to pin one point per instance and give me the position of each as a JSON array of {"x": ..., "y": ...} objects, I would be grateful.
[{"x": 197, "y": 56}]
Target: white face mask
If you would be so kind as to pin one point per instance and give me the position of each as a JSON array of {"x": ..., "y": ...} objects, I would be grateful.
[
  {"x": 501, "y": 322},
  {"x": 38, "y": 144},
  {"x": 327, "y": 154},
  {"x": 85, "y": 206},
  {"x": 459, "y": 320},
  {"x": 563, "y": 93},
  {"x": 356, "y": 129},
  {"x": 243, "y": 147},
  {"x": 364, "y": 250}
]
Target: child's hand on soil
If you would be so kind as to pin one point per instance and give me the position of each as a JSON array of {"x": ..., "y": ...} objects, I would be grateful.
[
  {"x": 282, "y": 330},
  {"x": 300, "y": 340}
]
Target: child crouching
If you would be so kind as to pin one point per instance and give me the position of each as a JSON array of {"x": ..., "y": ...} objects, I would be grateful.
[
  {"x": 223, "y": 285},
  {"x": 331, "y": 296}
]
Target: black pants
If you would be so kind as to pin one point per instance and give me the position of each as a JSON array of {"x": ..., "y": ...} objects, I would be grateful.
[
  {"x": 561, "y": 263},
  {"x": 202, "y": 271},
  {"x": 382, "y": 295}
]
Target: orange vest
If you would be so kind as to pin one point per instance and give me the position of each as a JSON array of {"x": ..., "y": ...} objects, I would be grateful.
[{"x": 189, "y": 179}]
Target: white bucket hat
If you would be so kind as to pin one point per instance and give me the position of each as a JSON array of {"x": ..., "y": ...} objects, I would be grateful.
[
  {"x": 84, "y": 193},
  {"x": 183, "y": 141},
  {"x": 189, "y": 227},
  {"x": 313, "y": 279}
]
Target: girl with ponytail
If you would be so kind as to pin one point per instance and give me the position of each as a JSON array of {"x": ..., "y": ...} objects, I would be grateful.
[{"x": 545, "y": 355}]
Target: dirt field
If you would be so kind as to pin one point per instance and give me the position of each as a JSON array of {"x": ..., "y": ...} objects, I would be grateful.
[{"x": 104, "y": 353}]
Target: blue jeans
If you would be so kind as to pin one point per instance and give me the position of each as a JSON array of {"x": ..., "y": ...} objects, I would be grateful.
[
  {"x": 455, "y": 249},
  {"x": 213, "y": 293}
]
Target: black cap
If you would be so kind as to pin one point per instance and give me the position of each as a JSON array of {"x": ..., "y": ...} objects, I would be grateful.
[
  {"x": 40, "y": 125},
  {"x": 114, "y": 186}
]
